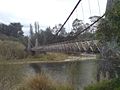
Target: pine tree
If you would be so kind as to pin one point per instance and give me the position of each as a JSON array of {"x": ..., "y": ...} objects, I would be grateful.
[{"x": 31, "y": 31}]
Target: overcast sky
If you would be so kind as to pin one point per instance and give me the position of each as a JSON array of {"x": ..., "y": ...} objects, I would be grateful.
[{"x": 48, "y": 12}]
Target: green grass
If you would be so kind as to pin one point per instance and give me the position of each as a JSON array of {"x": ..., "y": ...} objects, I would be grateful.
[{"x": 105, "y": 85}]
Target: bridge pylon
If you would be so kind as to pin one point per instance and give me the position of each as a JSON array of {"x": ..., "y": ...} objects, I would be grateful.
[{"x": 36, "y": 43}]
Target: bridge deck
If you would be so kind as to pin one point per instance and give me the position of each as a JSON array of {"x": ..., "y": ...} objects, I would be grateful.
[{"x": 71, "y": 47}]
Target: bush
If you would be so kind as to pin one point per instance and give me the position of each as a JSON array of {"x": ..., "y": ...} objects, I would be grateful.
[
  {"x": 41, "y": 82},
  {"x": 105, "y": 85},
  {"x": 12, "y": 50}
]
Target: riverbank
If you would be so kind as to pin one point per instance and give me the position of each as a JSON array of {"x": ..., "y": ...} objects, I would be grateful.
[{"x": 51, "y": 58}]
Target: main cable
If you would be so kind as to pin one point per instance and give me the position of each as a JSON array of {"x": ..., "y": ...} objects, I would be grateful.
[
  {"x": 67, "y": 19},
  {"x": 78, "y": 33},
  {"x": 99, "y": 7}
]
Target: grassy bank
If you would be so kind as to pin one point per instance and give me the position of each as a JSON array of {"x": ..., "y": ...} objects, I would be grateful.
[
  {"x": 10, "y": 76},
  {"x": 12, "y": 50},
  {"x": 49, "y": 57}
]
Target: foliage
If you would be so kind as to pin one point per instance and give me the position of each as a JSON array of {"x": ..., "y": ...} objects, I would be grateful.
[
  {"x": 105, "y": 85},
  {"x": 78, "y": 25},
  {"x": 110, "y": 50},
  {"x": 109, "y": 31},
  {"x": 87, "y": 36},
  {"x": 12, "y": 32},
  {"x": 41, "y": 82},
  {"x": 31, "y": 31},
  {"x": 109, "y": 27},
  {"x": 13, "y": 29},
  {"x": 45, "y": 36},
  {"x": 12, "y": 50}
]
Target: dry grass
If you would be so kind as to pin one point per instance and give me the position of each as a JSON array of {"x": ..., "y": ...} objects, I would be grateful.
[
  {"x": 10, "y": 76},
  {"x": 11, "y": 50},
  {"x": 41, "y": 82}
]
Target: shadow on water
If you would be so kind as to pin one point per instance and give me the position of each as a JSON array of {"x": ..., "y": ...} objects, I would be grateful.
[
  {"x": 74, "y": 73},
  {"x": 108, "y": 69},
  {"x": 79, "y": 73}
]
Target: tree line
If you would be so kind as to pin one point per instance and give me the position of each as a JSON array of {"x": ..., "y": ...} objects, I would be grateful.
[
  {"x": 49, "y": 36},
  {"x": 45, "y": 36},
  {"x": 13, "y": 29}
]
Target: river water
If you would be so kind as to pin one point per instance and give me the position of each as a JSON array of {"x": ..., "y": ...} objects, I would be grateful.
[{"x": 78, "y": 74}]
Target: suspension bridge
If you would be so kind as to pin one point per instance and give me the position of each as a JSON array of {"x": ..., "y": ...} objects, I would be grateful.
[
  {"x": 73, "y": 46},
  {"x": 70, "y": 47}
]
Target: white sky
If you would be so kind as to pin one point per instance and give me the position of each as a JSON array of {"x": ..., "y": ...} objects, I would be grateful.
[{"x": 47, "y": 12}]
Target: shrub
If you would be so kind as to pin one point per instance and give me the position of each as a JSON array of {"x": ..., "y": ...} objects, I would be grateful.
[
  {"x": 11, "y": 50},
  {"x": 41, "y": 82}
]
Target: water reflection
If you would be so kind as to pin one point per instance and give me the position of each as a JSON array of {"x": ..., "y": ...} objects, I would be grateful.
[
  {"x": 79, "y": 73},
  {"x": 76, "y": 73}
]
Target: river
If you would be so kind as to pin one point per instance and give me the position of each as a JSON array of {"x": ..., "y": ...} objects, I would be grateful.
[{"x": 78, "y": 73}]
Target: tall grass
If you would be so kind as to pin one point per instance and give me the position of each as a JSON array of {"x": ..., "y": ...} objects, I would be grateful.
[
  {"x": 10, "y": 76},
  {"x": 11, "y": 50},
  {"x": 41, "y": 82}
]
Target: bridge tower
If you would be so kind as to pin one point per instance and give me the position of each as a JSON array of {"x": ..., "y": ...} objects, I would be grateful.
[
  {"x": 29, "y": 45},
  {"x": 36, "y": 42}
]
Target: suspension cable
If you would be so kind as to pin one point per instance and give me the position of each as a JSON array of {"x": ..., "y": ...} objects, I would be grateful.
[
  {"x": 89, "y": 7},
  {"x": 78, "y": 33},
  {"x": 99, "y": 7},
  {"x": 67, "y": 19},
  {"x": 82, "y": 11}
]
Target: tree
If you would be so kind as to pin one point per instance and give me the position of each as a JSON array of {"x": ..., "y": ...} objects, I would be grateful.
[
  {"x": 109, "y": 31},
  {"x": 15, "y": 29},
  {"x": 36, "y": 27},
  {"x": 109, "y": 27},
  {"x": 48, "y": 35},
  {"x": 93, "y": 29},
  {"x": 31, "y": 31},
  {"x": 63, "y": 32},
  {"x": 77, "y": 25},
  {"x": 61, "y": 35}
]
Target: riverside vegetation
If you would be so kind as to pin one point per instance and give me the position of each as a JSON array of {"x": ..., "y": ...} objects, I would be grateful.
[
  {"x": 10, "y": 51},
  {"x": 41, "y": 82},
  {"x": 12, "y": 76},
  {"x": 105, "y": 85}
]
